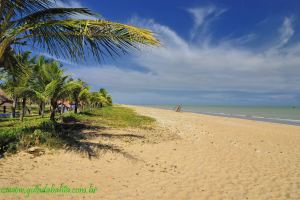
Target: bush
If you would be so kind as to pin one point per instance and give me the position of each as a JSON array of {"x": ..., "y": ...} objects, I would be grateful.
[{"x": 29, "y": 133}]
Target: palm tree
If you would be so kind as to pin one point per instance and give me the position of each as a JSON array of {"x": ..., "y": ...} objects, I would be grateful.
[
  {"x": 79, "y": 92},
  {"x": 9, "y": 83},
  {"x": 103, "y": 92},
  {"x": 23, "y": 89},
  {"x": 59, "y": 88},
  {"x": 40, "y": 23},
  {"x": 109, "y": 100},
  {"x": 42, "y": 76},
  {"x": 95, "y": 99},
  {"x": 50, "y": 84},
  {"x": 84, "y": 97},
  {"x": 18, "y": 86},
  {"x": 106, "y": 96}
]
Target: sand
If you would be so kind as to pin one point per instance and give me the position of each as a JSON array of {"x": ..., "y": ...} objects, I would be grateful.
[{"x": 190, "y": 156}]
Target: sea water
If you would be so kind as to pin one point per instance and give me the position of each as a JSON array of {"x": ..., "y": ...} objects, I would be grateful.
[{"x": 284, "y": 114}]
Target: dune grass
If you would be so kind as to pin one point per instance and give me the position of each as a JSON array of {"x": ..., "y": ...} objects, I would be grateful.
[
  {"x": 37, "y": 131},
  {"x": 118, "y": 117}
]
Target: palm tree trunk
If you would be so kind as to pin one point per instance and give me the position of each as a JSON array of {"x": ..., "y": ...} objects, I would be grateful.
[
  {"x": 54, "y": 106},
  {"x": 29, "y": 110},
  {"x": 40, "y": 108},
  {"x": 23, "y": 109},
  {"x": 62, "y": 108},
  {"x": 13, "y": 108},
  {"x": 76, "y": 107},
  {"x": 52, "y": 116},
  {"x": 29, "y": 107},
  {"x": 43, "y": 109}
]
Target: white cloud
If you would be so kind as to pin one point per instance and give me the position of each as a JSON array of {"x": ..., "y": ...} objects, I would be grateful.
[
  {"x": 242, "y": 40},
  {"x": 184, "y": 66},
  {"x": 286, "y": 31},
  {"x": 68, "y": 4},
  {"x": 203, "y": 16},
  {"x": 73, "y": 4}
]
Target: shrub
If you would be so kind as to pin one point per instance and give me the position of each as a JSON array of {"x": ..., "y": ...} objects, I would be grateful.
[{"x": 29, "y": 133}]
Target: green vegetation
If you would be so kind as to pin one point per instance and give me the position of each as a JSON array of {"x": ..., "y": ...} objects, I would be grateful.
[
  {"x": 33, "y": 86},
  {"x": 45, "y": 84},
  {"x": 71, "y": 33},
  {"x": 63, "y": 32},
  {"x": 33, "y": 131},
  {"x": 117, "y": 117},
  {"x": 37, "y": 131}
]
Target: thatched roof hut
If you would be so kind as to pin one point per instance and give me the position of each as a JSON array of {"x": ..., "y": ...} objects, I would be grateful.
[
  {"x": 67, "y": 104},
  {"x": 4, "y": 99}
]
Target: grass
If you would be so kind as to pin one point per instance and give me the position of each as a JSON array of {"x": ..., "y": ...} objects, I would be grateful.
[
  {"x": 15, "y": 135},
  {"x": 37, "y": 131},
  {"x": 117, "y": 117}
]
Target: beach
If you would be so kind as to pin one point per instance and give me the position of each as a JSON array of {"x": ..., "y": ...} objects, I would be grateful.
[{"x": 188, "y": 156}]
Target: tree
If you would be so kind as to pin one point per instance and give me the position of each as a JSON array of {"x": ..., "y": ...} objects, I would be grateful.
[
  {"x": 95, "y": 99},
  {"x": 109, "y": 100},
  {"x": 44, "y": 70},
  {"x": 18, "y": 86},
  {"x": 40, "y": 23},
  {"x": 78, "y": 92},
  {"x": 84, "y": 97},
  {"x": 23, "y": 88},
  {"x": 106, "y": 96},
  {"x": 103, "y": 92},
  {"x": 58, "y": 88}
]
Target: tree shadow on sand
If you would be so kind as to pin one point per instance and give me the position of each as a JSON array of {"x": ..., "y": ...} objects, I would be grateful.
[
  {"x": 74, "y": 138},
  {"x": 120, "y": 136},
  {"x": 71, "y": 134}
]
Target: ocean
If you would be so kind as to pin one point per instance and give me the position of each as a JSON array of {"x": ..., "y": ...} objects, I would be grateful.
[{"x": 284, "y": 115}]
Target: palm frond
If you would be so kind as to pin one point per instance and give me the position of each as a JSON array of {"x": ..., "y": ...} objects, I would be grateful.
[
  {"x": 53, "y": 14},
  {"x": 72, "y": 38},
  {"x": 24, "y": 92},
  {"x": 61, "y": 33},
  {"x": 13, "y": 64},
  {"x": 23, "y": 7},
  {"x": 53, "y": 87}
]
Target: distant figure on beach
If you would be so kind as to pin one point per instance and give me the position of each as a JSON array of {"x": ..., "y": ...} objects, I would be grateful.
[{"x": 178, "y": 108}]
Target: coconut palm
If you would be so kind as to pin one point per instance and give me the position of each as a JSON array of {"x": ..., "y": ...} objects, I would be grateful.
[
  {"x": 49, "y": 84},
  {"x": 84, "y": 97},
  {"x": 106, "y": 96},
  {"x": 62, "y": 32},
  {"x": 79, "y": 92},
  {"x": 96, "y": 99},
  {"x": 59, "y": 88},
  {"x": 23, "y": 89},
  {"x": 56, "y": 90},
  {"x": 103, "y": 92},
  {"x": 44, "y": 70},
  {"x": 109, "y": 100},
  {"x": 10, "y": 82},
  {"x": 18, "y": 86}
]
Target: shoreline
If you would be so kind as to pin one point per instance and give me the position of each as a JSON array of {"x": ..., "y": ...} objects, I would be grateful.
[{"x": 293, "y": 122}]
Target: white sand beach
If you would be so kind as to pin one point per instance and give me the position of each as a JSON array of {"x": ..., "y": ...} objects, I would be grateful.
[{"x": 190, "y": 157}]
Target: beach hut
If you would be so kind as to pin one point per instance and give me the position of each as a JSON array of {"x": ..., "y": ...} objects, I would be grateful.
[
  {"x": 63, "y": 105},
  {"x": 5, "y": 101}
]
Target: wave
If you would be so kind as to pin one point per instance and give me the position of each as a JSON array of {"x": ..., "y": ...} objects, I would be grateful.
[
  {"x": 255, "y": 117},
  {"x": 258, "y": 116}
]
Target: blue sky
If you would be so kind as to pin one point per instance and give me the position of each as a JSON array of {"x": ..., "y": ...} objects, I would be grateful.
[{"x": 214, "y": 52}]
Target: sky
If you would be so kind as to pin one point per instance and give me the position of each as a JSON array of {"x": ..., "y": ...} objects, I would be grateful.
[{"x": 213, "y": 52}]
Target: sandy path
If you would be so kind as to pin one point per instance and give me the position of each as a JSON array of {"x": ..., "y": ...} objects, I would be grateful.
[{"x": 216, "y": 158}]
